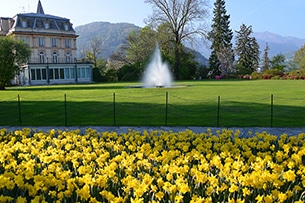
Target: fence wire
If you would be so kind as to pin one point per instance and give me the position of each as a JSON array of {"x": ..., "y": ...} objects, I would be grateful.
[{"x": 151, "y": 110}]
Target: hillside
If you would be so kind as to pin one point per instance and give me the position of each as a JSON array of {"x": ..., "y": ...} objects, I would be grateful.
[
  {"x": 111, "y": 34},
  {"x": 278, "y": 44}
]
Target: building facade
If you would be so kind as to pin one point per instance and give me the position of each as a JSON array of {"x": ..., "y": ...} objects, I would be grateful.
[{"x": 53, "y": 43}]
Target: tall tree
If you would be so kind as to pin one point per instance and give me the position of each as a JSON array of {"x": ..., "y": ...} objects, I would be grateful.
[
  {"x": 299, "y": 57},
  {"x": 247, "y": 49},
  {"x": 266, "y": 62},
  {"x": 221, "y": 37},
  {"x": 136, "y": 49},
  {"x": 13, "y": 55},
  {"x": 225, "y": 57},
  {"x": 95, "y": 50},
  {"x": 278, "y": 62},
  {"x": 183, "y": 18},
  {"x": 141, "y": 45}
]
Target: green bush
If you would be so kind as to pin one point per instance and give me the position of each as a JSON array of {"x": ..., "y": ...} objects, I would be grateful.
[
  {"x": 297, "y": 74},
  {"x": 256, "y": 75},
  {"x": 97, "y": 76},
  {"x": 269, "y": 74},
  {"x": 111, "y": 75},
  {"x": 129, "y": 73}
]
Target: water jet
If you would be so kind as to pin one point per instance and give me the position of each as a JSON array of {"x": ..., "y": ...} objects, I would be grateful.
[{"x": 157, "y": 73}]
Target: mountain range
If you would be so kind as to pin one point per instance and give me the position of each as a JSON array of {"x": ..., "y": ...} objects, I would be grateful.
[
  {"x": 278, "y": 44},
  {"x": 113, "y": 34}
]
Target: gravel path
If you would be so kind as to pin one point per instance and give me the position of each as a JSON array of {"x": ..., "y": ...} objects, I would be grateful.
[{"x": 244, "y": 131}]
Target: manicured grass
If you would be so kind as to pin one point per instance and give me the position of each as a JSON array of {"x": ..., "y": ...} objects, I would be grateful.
[{"x": 189, "y": 103}]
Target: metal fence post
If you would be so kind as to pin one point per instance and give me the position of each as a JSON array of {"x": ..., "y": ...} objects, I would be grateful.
[
  {"x": 271, "y": 112},
  {"x": 166, "y": 108},
  {"x": 114, "y": 111},
  {"x": 218, "y": 111},
  {"x": 19, "y": 110}
]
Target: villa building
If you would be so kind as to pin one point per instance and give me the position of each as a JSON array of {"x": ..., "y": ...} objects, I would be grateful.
[{"x": 53, "y": 43}]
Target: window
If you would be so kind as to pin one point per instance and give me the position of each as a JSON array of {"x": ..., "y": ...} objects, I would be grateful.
[
  {"x": 46, "y": 25},
  {"x": 24, "y": 23},
  {"x": 44, "y": 73},
  {"x": 69, "y": 73},
  {"x": 66, "y": 26},
  {"x": 57, "y": 73},
  {"x": 53, "y": 42},
  {"x": 41, "y": 57},
  {"x": 68, "y": 58},
  {"x": 33, "y": 74},
  {"x": 25, "y": 40},
  {"x": 38, "y": 74},
  {"x": 83, "y": 72},
  {"x": 55, "y": 57},
  {"x": 67, "y": 43},
  {"x": 41, "y": 41},
  {"x": 61, "y": 73},
  {"x": 51, "y": 73}
]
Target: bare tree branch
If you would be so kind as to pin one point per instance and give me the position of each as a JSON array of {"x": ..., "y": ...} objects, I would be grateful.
[{"x": 182, "y": 16}]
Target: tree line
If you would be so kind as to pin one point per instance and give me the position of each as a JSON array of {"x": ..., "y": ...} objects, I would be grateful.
[{"x": 173, "y": 24}]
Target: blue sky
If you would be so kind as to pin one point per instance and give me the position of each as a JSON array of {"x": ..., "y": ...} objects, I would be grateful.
[{"x": 285, "y": 17}]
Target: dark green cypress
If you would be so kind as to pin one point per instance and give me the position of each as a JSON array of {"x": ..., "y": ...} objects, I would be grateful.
[
  {"x": 220, "y": 35},
  {"x": 247, "y": 49}
]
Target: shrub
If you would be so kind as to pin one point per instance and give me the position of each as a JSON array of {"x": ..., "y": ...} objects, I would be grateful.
[
  {"x": 97, "y": 76},
  {"x": 256, "y": 75},
  {"x": 129, "y": 73},
  {"x": 297, "y": 74},
  {"x": 277, "y": 77},
  {"x": 269, "y": 74}
]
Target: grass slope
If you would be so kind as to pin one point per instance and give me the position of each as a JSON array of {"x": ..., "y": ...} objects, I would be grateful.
[{"x": 189, "y": 103}]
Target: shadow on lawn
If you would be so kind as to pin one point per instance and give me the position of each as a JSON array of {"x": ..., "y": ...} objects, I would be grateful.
[
  {"x": 91, "y": 113},
  {"x": 68, "y": 87}
]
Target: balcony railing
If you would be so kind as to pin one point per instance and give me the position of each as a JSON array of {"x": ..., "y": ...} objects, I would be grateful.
[{"x": 59, "y": 60}]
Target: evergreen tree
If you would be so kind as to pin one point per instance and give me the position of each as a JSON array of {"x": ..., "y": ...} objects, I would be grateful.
[
  {"x": 278, "y": 62},
  {"x": 221, "y": 37},
  {"x": 247, "y": 49},
  {"x": 266, "y": 58}
]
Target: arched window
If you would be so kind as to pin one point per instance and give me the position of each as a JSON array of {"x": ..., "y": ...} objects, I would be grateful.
[
  {"x": 55, "y": 57},
  {"x": 68, "y": 58},
  {"x": 41, "y": 57}
]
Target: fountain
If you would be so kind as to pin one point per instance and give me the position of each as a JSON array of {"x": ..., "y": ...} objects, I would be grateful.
[{"x": 157, "y": 73}]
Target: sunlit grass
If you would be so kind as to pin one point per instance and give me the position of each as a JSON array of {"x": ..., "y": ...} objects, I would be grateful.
[{"x": 242, "y": 103}]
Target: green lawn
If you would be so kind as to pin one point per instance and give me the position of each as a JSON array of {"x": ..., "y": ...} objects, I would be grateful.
[{"x": 242, "y": 103}]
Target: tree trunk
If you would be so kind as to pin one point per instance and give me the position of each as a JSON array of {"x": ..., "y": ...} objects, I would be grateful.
[
  {"x": 2, "y": 85},
  {"x": 177, "y": 56},
  {"x": 177, "y": 64}
]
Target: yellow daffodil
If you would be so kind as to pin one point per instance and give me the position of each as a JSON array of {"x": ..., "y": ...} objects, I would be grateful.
[{"x": 157, "y": 165}]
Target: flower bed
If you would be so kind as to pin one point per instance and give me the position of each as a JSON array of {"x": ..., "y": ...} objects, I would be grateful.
[{"x": 64, "y": 166}]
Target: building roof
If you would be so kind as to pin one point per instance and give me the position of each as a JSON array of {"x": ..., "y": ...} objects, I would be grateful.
[{"x": 36, "y": 22}]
